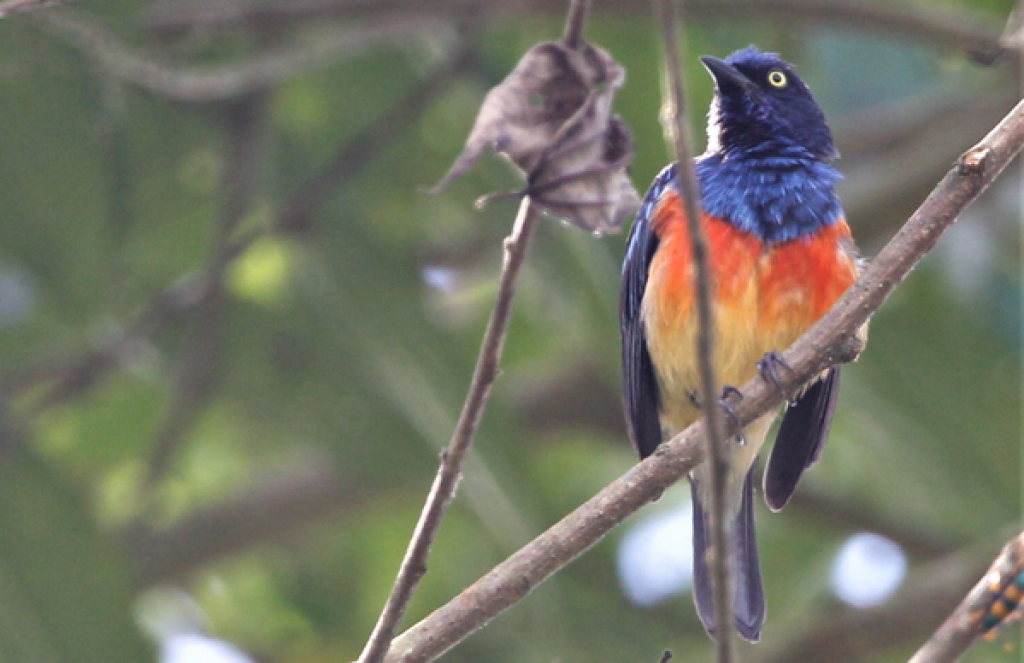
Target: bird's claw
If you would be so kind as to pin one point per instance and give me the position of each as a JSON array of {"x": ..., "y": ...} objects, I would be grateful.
[
  {"x": 723, "y": 402},
  {"x": 768, "y": 367}
]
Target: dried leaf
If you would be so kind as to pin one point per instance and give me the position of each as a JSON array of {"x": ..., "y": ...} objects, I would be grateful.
[{"x": 552, "y": 117}]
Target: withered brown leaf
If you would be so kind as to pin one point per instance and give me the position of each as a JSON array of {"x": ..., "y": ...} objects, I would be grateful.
[{"x": 552, "y": 118}]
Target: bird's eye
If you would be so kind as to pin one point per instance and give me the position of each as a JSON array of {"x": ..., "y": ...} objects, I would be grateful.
[{"x": 777, "y": 78}]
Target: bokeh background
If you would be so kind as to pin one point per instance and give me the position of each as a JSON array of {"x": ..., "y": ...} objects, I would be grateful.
[{"x": 235, "y": 333}]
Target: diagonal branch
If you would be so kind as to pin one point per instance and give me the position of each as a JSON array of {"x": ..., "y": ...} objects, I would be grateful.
[
  {"x": 831, "y": 341},
  {"x": 968, "y": 621},
  {"x": 922, "y": 601},
  {"x": 717, "y": 477}
]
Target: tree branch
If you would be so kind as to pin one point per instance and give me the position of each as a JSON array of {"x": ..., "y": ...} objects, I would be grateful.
[
  {"x": 927, "y": 595},
  {"x": 956, "y": 635},
  {"x": 832, "y": 340},
  {"x": 221, "y": 82},
  {"x": 575, "y": 23},
  {"x": 675, "y": 117}
]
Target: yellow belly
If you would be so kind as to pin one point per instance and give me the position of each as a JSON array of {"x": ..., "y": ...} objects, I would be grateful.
[
  {"x": 737, "y": 350},
  {"x": 672, "y": 345}
]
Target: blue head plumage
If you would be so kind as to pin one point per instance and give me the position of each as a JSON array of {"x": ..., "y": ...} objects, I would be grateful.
[
  {"x": 766, "y": 167},
  {"x": 762, "y": 107}
]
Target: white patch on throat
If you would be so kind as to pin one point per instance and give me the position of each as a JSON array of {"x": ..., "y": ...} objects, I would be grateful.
[{"x": 714, "y": 128}]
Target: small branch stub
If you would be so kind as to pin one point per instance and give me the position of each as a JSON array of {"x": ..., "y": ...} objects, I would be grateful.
[
  {"x": 990, "y": 605},
  {"x": 973, "y": 161}
]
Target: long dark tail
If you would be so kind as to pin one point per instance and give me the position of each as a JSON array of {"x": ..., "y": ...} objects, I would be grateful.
[{"x": 748, "y": 600}]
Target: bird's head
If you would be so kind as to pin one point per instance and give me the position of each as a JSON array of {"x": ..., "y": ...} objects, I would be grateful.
[{"x": 761, "y": 107}]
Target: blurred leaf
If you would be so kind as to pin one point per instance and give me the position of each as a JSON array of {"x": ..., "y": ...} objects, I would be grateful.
[
  {"x": 64, "y": 592},
  {"x": 552, "y": 117}
]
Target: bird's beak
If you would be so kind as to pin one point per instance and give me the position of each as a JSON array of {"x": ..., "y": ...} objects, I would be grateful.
[{"x": 727, "y": 76}]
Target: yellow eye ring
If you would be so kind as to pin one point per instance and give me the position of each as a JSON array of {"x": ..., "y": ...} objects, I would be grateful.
[{"x": 777, "y": 78}]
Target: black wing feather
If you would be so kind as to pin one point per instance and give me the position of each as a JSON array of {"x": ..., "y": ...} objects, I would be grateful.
[
  {"x": 639, "y": 381},
  {"x": 748, "y": 600},
  {"x": 801, "y": 439}
]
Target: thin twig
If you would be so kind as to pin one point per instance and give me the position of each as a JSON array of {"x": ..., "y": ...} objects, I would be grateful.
[
  {"x": 414, "y": 566},
  {"x": 956, "y": 635},
  {"x": 831, "y": 341},
  {"x": 675, "y": 116},
  {"x": 576, "y": 23}
]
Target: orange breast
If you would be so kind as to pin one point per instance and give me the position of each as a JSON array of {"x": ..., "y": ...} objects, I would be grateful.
[
  {"x": 800, "y": 280},
  {"x": 732, "y": 255},
  {"x": 764, "y": 299}
]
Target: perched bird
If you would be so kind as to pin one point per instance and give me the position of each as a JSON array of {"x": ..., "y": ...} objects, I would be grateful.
[{"x": 780, "y": 255}]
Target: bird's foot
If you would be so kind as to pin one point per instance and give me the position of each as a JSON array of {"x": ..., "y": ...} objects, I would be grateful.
[
  {"x": 768, "y": 367},
  {"x": 723, "y": 402}
]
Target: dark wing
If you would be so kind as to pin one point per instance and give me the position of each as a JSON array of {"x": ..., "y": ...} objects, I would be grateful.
[
  {"x": 639, "y": 383},
  {"x": 801, "y": 439}
]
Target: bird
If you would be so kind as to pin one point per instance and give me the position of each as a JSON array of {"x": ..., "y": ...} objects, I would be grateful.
[{"x": 780, "y": 254}]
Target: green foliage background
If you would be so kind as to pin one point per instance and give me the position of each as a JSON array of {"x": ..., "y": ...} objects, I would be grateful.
[{"x": 315, "y": 387}]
